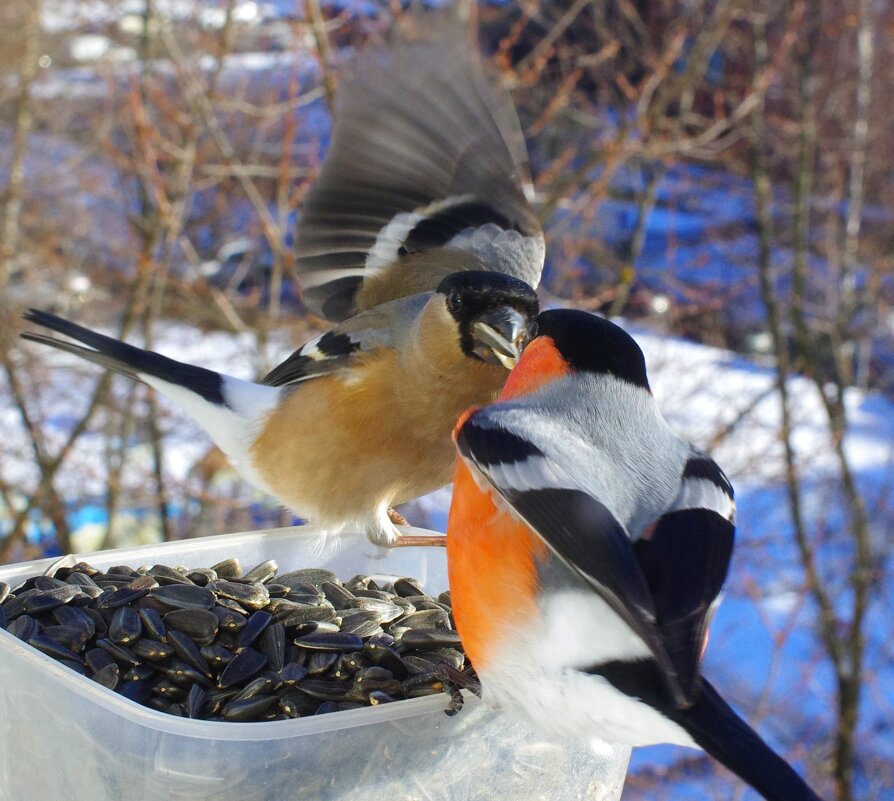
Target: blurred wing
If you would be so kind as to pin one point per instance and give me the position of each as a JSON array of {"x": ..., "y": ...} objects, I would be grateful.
[
  {"x": 576, "y": 526},
  {"x": 335, "y": 350},
  {"x": 685, "y": 561},
  {"x": 426, "y": 152}
]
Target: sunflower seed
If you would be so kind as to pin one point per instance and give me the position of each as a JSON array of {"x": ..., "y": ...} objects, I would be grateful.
[
  {"x": 126, "y": 626},
  {"x": 340, "y": 643},
  {"x": 45, "y": 600},
  {"x": 186, "y": 648},
  {"x": 107, "y": 676},
  {"x": 153, "y": 623},
  {"x": 308, "y": 614},
  {"x": 263, "y": 572},
  {"x": 216, "y": 655},
  {"x": 406, "y": 587},
  {"x": 168, "y": 576},
  {"x": 420, "y": 639},
  {"x": 73, "y": 637},
  {"x": 24, "y": 627},
  {"x": 253, "y": 628},
  {"x": 249, "y": 596},
  {"x": 153, "y": 650},
  {"x": 272, "y": 643},
  {"x": 199, "y": 624},
  {"x": 245, "y": 665},
  {"x": 195, "y": 701},
  {"x": 227, "y": 569},
  {"x": 52, "y": 648},
  {"x": 120, "y": 653},
  {"x": 184, "y": 596}
]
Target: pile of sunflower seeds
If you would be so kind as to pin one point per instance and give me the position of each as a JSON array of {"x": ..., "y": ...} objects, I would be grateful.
[{"x": 219, "y": 644}]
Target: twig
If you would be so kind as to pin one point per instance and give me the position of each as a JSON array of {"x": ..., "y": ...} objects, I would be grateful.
[{"x": 23, "y": 117}]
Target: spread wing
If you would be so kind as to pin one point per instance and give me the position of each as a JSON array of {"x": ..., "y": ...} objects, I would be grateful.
[
  {"x": 689, "y": 546},
  {"x": 426, "y": 152}
]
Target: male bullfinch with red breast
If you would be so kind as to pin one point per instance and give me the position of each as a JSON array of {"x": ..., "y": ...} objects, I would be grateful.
[
  {"x": 580, "y": 514},
  {"x": 418, "y": 240}
]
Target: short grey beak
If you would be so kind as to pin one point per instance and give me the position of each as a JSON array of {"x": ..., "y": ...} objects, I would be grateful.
[{"x": 500, "y": 336}]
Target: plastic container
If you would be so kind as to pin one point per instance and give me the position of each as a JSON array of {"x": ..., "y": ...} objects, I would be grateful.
[{"x": 66, "y": 738}]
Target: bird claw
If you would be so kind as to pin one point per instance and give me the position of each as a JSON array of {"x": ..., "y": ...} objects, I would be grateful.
[
  {"x": 454, "y": 682},
  {"x": 397, "y": 518}
]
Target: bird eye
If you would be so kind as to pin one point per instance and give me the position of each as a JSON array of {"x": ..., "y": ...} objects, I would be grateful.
[{"x": 454, "y": 302}]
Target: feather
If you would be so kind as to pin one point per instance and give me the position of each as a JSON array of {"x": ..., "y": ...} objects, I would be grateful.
[{"x": 426, "y": 151}]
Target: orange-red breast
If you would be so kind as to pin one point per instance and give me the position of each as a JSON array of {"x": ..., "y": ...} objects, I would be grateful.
[
  {"x": 587, "y": 547},
  {"x": 419, "y": 240}
]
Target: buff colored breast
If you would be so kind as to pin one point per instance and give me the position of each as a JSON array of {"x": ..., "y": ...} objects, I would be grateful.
[{"x": 386, "y": 437}]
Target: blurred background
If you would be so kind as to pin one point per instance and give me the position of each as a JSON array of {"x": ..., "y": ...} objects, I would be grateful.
[{"x": 717, "y": 173}]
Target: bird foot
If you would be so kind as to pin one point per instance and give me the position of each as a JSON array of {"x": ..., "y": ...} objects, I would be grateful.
[
  {"x": 409, "y": 540},
  {"x": 454, "y": 682},
  {"x": 382, "y": 529},
  {"x": 397, "y": 518}
]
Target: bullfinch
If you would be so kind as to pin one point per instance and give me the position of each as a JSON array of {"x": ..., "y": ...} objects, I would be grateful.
[
  {"x": 357, "y": 420},
  {"x": 418, "y": 240},
  {"x": 587, "y": 548}
]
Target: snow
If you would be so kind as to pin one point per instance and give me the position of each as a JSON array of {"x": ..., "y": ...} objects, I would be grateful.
[
  {"x": 67, "y": 15},
  {"x": 58, "y": 16},
  {"x": 701, "y": 390},
  {"x": 89, "y": 47},
  {"x": 92, "y": 81}
]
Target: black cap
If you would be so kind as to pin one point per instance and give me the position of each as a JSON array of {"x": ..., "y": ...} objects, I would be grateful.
[{"x": 594, "y": 344}]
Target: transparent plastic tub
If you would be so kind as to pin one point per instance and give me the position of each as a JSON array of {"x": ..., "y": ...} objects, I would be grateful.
[{"x": 65, "y": 738}]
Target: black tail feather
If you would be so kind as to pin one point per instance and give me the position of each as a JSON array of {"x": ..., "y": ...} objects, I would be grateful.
[
  {"x": 713, "y": 724},
  {"x": 125, "y": 359}
]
